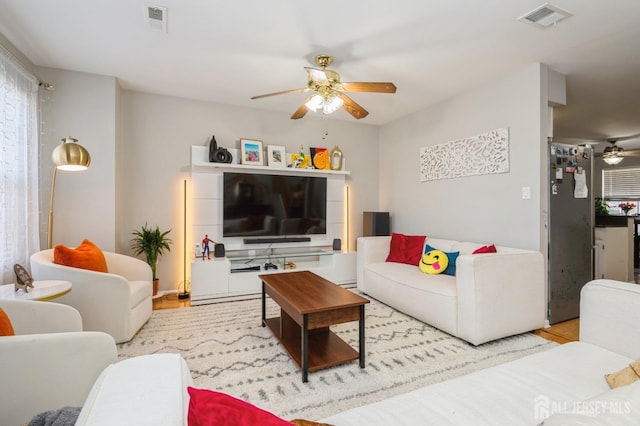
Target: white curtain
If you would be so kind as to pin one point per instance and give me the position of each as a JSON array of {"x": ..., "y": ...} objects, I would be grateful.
[{"x": 19, "y": 233}]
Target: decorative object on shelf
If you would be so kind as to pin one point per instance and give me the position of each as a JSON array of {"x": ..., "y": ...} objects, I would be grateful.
[
  {"x": 290, "y": 265},
  {"x": 251, "y": 151},
  {"x": 320, "y": 158},
  {"x": 23, "y": 279},
  {"x": 218, "y": 250},
  {"x": 68, "y": 156},
  {"x": 602, "y": 208},
  {"x": 153, "y": 244},
  {"x": 627, "y": 207},
  {"x": 218, "y": 155},
  {"x": 301, "y": 160},
  {"x": 335, "y": 160},
  {"x": 337, "y": 244},
  {"x": 205, "y": 246},
  {"x": 486, "y": 153},
  {"x": 276, "y": 156}
]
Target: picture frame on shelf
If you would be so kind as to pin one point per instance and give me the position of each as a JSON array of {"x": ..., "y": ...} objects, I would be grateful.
[
  {"x": 276, "y": 156},
  {"x": 251, "y": 152}
]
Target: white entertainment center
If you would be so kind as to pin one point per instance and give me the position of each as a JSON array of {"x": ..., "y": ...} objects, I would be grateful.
[{"x": 235, "y": 276}]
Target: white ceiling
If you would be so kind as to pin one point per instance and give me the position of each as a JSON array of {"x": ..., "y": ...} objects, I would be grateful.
[{"x": 228, "y": 51}]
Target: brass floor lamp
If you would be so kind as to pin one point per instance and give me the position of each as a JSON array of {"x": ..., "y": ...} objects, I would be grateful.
[{"x": 70, "y": 156}]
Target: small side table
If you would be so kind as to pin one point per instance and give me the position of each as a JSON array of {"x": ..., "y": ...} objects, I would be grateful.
[{"x": 42, "y": 291}]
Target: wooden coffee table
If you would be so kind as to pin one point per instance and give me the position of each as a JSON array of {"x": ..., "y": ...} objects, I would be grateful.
[{"x": 309, "y": 304}]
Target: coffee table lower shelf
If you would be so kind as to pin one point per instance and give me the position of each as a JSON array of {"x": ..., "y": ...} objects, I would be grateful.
[{"x": 326, "y": 349}]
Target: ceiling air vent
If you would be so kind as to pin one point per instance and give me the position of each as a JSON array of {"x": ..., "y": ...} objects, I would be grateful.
[
  {"x": 544, "y": 16},
  {"x": 155, "y": 17}
]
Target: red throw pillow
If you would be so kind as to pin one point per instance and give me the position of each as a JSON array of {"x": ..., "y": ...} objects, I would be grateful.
[
  {"x": 406, "y": 248},
  {"x": 86, "y": 256},
  {"x": 6, "y": 329},
  {"x": 210, "y": 408},
  {"x": 486, "y": 249}
]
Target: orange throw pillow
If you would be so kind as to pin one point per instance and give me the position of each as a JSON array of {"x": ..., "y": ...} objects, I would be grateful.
[
  {"x": 6, "y": 329},
  {"x": 86, "y": 256}
]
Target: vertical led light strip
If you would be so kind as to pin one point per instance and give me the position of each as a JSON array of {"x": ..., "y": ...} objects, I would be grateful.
[
  {"x": 185, "y": 284},
  {"x": 345, "y": 237},
  {"x": 184, "y": 235}
]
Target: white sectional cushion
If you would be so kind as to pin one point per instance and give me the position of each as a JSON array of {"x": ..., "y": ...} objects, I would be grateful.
[
  {"x": 618, "y": 407},
  {"x": 145, "y": 390},
  {"x": 520, "y": 392}
]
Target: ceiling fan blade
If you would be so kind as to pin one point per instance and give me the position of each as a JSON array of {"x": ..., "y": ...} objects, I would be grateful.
[
  {"x": 302, "y": 110},
  {"x": 624, "y": 138},
  {"x": 352, "y": 107},
  {"x": 284, "y": 92},
  {"x": 369, "y": 87}
]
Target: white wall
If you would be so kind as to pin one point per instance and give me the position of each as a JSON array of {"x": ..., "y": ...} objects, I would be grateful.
[
  {"x": 484, "y": 209},
  {"x": 82, "y": 106},
  {"x": 157, "y": 135}
]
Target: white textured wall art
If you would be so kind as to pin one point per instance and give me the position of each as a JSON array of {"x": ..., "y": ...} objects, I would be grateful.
[{"x": 483, "y": 154}]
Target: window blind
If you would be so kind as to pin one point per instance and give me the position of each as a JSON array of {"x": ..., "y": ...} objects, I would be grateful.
[{"x": 621, "y": 183}]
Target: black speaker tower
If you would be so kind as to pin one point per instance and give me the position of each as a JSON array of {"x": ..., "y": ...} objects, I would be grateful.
[{"x": 375, "y": 224}]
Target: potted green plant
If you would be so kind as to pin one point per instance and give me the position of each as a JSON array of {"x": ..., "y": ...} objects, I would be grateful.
[
  {"x": 601, "y": 207},
  {"x": 153, "y": 244}
]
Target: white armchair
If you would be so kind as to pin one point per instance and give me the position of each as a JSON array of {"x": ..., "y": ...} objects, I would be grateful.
[
  {"x": 117, "y": 303},
  {"x": 50, "y": 363}
]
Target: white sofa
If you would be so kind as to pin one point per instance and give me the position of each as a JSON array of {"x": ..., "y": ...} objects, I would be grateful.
[
  {"x": 117, "y": 303},
  {"x": 565, "y": 384},
  {"x": 492, "y": 295}
]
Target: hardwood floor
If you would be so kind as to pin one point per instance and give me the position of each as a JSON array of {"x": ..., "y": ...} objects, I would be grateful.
[
  {"x": 563, "y": 332},
  {"x": 170, "y": 301}
]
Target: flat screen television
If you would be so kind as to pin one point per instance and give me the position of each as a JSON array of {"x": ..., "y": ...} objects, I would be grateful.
[{"x": 257, "y": 205}]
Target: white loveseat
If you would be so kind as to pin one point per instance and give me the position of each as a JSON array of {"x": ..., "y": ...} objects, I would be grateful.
[
  {"x": 564, "y": 385},
  {"x": 117, "y": 303},
  {"x": 491, "y": 296}
]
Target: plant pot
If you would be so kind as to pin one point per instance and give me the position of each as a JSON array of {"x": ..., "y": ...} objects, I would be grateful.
[{"x": 156, "y": 284}]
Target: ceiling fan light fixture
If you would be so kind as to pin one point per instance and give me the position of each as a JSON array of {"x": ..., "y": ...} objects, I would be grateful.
[
  {"x": 315, "y": 103},
  {"x": 613, "y": 154},
  {"x": 612, "y": 159},
  {"x": 328, "y": 104},
  {"x": 332, "y": 104}
]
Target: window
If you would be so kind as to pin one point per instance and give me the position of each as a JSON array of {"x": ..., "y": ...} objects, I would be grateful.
[
  {"x": 621, "y": 186},
  {"x": 18, "y": 166}
]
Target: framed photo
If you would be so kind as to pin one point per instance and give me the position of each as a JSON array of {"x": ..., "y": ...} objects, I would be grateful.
[
  {"x": 251, "y": 152},
  {"x": 276, "y": 156}
]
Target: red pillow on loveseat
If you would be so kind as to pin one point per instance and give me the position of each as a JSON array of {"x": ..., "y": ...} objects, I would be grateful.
[
  {"x": 485, "y": 249},
  {"x": 406, "y": 248}
]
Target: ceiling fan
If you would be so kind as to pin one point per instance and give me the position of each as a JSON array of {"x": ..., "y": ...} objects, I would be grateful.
[
  {"x": 614, "y": 154},
  {"x": 328, "y": 92}
]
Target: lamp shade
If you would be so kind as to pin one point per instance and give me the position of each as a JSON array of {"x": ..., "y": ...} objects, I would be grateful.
[{"x": 70, "y": 155}]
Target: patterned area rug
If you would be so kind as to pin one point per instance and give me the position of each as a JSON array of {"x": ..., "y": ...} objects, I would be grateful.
[{"x": 228, "y": 350}]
